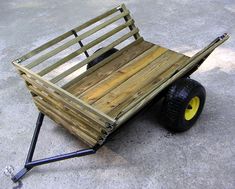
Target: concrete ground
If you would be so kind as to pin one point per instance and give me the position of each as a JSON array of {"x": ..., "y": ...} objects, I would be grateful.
[{"x": 203, "y": 157}]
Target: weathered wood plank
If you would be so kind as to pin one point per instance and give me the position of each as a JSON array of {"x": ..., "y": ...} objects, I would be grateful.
[
  {"x": 104, "y": 71},
  {"x": 122, "y": 74},
  {"x": 133, "y": 87},
  {"x": 117, "y": 109}
]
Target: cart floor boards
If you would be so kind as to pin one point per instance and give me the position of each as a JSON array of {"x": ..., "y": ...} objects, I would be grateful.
[{"x": 129, "y": 76}]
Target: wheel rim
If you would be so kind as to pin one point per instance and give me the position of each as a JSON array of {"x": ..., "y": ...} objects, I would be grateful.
[{"x": 192, "y": 108}]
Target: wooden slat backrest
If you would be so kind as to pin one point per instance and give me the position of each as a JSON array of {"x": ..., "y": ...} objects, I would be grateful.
[
  {"x": 46, "y": 52},
  {"x": 67, "y": 34}
]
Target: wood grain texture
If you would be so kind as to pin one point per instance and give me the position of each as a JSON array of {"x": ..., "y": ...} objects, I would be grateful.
[
  {"x": 153, "y": 83},
  {"x": 122, "y": 74},
  {"x": 113, "y": 102},
  {"x": 74, "y": 82},
  {"x": 106, "y": 70},
  {"x": 125, "y": 79}
]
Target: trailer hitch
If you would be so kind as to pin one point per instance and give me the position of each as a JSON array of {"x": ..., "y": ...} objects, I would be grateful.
[{"x": 29, "y": 163}]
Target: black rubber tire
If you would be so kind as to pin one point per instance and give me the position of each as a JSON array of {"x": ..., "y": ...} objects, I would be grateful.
[
  {"x": 101, "y": 57},
  {"x": 176, "y": 101}
]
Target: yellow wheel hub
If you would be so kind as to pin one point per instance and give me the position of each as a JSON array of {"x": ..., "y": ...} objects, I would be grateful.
[{"x": 192, "y": 108}]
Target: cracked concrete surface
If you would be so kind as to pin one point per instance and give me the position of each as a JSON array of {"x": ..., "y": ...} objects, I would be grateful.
[{"x": 203, "y": 157}]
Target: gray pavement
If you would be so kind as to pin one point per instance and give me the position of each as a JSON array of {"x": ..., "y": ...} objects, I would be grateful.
[{"x": 203, "y": 157}]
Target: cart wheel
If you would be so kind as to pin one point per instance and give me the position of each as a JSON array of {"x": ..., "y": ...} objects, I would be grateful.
[
  {"x": 183, "y": 104},
  {"x": 101, "y": 57}
]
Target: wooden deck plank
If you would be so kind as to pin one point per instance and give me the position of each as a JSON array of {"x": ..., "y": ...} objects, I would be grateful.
[
  {"x": 121, "y": 75},
  {"x": 127, "y": 77},
  {"x": 116, "y": 111},
  {"x": 133, "y": 87},
  {"x": 104, "y": 71}
]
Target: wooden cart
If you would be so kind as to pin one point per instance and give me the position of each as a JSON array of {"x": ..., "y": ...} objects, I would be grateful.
[{"x": 123, "y": 76}]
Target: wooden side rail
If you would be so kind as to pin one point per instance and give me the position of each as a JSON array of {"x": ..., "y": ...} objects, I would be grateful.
[{"x": 86, "y": 108}]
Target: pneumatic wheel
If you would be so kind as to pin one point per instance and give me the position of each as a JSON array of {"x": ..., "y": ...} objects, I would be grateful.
[
  {"x": 183, "y": 104},
  {"x": 101, "y": 57}
]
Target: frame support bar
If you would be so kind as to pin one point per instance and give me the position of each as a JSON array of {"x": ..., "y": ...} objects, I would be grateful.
[
  {"x": 29, "y": 164},
  {"x": 35, "y": 137},
  {"x": 80, "y": 43}
]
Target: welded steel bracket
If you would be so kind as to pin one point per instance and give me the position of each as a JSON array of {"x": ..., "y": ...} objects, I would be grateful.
[{"x": 29, "y": 163}]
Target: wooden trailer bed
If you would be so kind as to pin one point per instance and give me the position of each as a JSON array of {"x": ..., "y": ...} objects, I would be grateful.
[
  {"x": 92, "y": 104},
  {"x": 134, "y": 72},
  {"x": 74, "y": 82}
]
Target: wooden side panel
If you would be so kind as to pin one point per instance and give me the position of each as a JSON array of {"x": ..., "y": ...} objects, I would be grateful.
[
  {"x": 83, "y": 123},
  {"x": 62, "y": 119},
  {"x": 66, "y": 113},
  {"x": 79, "y": 105},
  {"x": 67, "y": 105},
  {"x": 82, "y": 50}
]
